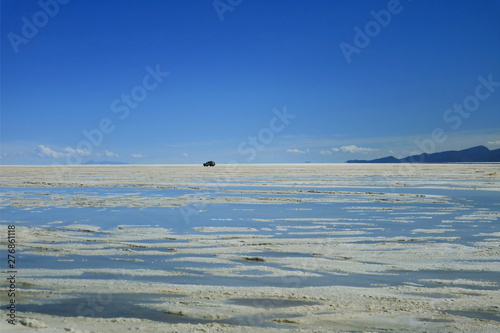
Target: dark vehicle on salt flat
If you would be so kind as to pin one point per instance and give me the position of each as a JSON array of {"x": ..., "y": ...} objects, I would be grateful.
[{"x": 209, "y": 163}]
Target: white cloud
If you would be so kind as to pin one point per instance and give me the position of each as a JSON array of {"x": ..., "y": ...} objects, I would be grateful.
[
  {"x": 297, "y": 151},
  {"x": 47, "y": 152},
  {"x": 494, "y": 143},
  {"x": 137, "y": 156},
  {"x": 81, "y": 152},
  {"x": 68, "y": 151},
  {"x": 325, "y": 152},
  {"x": 353, "y": 149},
  {"x": 110, "y": 154},
  {"x": 185, "y": 154}
]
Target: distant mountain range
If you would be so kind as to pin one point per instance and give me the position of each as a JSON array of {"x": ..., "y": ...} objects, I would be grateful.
[{"x": 470, "y": 155}]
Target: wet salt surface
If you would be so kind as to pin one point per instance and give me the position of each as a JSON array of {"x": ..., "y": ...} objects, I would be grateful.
[
  {"x": 108, "y": 306},
  {"x": 280, "y": 220},
  {"x": 372, "y": 220},
  {"x": 477, "y": 314},
  {"x": 206, "y": 235},
  {"x": 268, "y": 303},
  {"x": 135, "y": 306}
]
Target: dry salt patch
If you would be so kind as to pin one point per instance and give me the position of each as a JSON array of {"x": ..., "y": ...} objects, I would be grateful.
[
  {"x": 225, "y": 229},
  {"x": 332, "y": 266},
  {"x": 142, "y": 230},
  {"x": 460, "y": 282},
  {"x": 126, "y": 259},
  {"x": 491, "y": 234},
  {"x": 32, "y": 323},
  {"x": 424, "y": 215},
  {"x": 332, "y": 233},
  {"x": 457, "y": 221},
  {"x": 305, "y": 226},
  {"x": 253, "y": 271},
  {"x": 55, "y": 222},
  {"x": 487, "y": 216},
  {"x": 37, "y": 272},
  {"x": 315, "y": 219},
  {"x": 373, "y": 229},
  {"x": 431, "y": 231},
  {"x": 61, "y": 250},
  {"x": 335, "y": 224},
  {"x": 210, "y": 260},
  {"x": 82, "y": 227},
  {"x": 489, "y": 243},
  {"x": 368, "y": 208}
]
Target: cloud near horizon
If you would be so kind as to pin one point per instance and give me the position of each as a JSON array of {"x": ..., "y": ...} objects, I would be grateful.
[
  {"x": 110, "y": 154},
  {"x": 350, "y": 149},
  {"x": 297, "y": 151},
  {"x": 137, "y": 155},
  {"x": 344, "y": 149},
  {"x": 81, "y": 152},
  {"x": 44, "y": 151},
  {"x": 47, "y": 152}
]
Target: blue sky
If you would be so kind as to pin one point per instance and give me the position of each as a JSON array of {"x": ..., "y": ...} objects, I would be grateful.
[{"x": 185, "y": 81}]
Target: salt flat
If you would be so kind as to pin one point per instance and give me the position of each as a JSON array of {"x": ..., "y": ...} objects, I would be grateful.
[{"x": 236, "y": 248}]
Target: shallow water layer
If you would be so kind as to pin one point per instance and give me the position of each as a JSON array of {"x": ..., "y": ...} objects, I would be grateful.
[
  {"x": 304, "y": 230},
  {"x": 268, "y": 303},
  {"x": 477, "y": 314},
  {"x": 135, "y": 306},
  {"x": 107, "y": 306}
]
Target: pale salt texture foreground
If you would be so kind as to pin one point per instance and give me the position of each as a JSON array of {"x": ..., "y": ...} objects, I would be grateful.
[{"x": 254, "y": 248}]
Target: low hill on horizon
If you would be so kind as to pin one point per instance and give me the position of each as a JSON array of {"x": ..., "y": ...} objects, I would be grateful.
[{"x": 478, "y": 154}]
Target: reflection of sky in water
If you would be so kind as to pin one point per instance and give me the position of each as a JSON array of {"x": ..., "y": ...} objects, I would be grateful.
[
  {"x": 383, "y": 215},
  {"x": 37, "y": 192},
  {"x": 375, "y": 219},
  {"x": 108, "y": 305}
]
